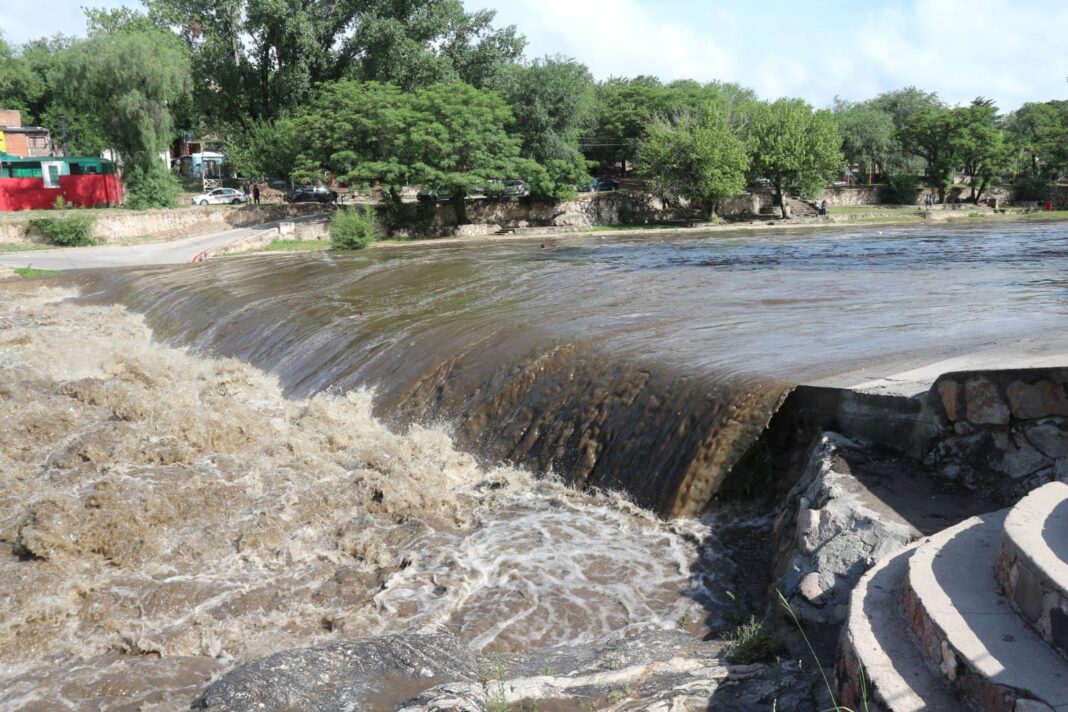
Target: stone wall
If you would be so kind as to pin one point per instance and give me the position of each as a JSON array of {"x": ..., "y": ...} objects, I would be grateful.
[
  {"x": 119, "y": 227},
  {"x": 1006, "y": 431}
]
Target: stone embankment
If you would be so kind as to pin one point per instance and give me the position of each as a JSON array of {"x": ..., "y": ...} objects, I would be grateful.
[{"x": 127, "y": 227}]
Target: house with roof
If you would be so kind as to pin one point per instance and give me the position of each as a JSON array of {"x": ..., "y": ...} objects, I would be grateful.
[{"x": 33, "y": 177}]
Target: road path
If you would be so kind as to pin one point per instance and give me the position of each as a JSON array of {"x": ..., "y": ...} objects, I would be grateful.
[{"x": 155, "y": 253}]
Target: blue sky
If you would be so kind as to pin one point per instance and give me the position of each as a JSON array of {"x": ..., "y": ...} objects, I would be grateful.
[{"x": 1011, "y": 51}]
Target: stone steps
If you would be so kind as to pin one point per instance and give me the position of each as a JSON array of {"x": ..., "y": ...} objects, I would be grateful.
[
  {"x": 877, "y": 648},
  {"x": 1032, "y": 565},
  {"x": 930, "y": 629},
  {"x": 967, "y": 629}
]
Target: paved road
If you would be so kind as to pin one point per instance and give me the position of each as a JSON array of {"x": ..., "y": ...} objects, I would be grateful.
[{"x": 156, "y": 253}]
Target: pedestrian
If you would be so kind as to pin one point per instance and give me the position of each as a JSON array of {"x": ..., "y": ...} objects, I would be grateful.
[
  {"x": 246, "y": 193},
  {"x": 1049, "y": 206},
  {"x": 823, "y": 207},
  {"x": 256, "y": 193}
]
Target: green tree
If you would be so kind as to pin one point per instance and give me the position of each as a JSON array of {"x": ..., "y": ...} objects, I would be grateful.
[
  {"x": 930, "y": 134},
  {"x": 901, "y": 105},
  {"x": 1040, "y": 132},
  {"x": 552, "y": 102},
  {"x": 980, "y": 146},
  {"x": 697, "y": 158},
  {"x": 261, "y": 59},
  {"x": 792, "y": 145},
  {"x": 125, "y": 82},
  {"x": 868, "y": 140}
]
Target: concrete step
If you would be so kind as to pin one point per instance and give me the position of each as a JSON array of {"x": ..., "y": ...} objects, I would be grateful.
[
  {"x": 1033, "y": 563},
  {"x": 879, "y": 667},
  {"x": 969, "y": 632}
]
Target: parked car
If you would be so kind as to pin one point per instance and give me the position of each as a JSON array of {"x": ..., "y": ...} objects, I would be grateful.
[
  {"x": 310, "y": 194},
  {"x": 220, "y": 196},
  {"x": 515, "y": 188},
  {"x": 433, "y": 195},
  {"x": 599, "y": 184}
]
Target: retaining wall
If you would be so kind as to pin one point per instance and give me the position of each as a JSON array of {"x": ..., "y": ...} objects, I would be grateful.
[{"x": 118, "y": 227}]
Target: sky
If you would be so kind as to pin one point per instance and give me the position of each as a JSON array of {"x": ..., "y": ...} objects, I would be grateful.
[{"x": 1011, "y": 51}]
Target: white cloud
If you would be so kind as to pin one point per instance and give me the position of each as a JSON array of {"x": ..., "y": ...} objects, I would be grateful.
[{"x": 1008, "y": 51}]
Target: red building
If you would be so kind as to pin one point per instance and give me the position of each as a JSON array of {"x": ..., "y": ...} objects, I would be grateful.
[{"x": 36, "y": 183}]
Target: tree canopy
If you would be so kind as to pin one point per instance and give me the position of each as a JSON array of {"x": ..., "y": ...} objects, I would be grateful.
[{"x": 792, "y": 145}]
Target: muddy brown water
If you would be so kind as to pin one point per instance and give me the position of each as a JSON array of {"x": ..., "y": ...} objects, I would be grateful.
[{"x": 397, "y": 445}]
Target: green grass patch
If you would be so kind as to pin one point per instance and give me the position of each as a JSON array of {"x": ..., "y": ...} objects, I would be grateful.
[
  {"x": 654, "y": 226},
  {"x": 34, "y": 273},
  {"x": 22, "y": 246},
  {"x": 296, "y": 245},
  {"x": 1044, "y": 215},
  {"x": 752, "y": 643},
  {"x": 887, "y": 219},
  {"x": 868, "y": 209}
]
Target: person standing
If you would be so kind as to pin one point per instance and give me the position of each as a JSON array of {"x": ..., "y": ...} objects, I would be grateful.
[
  {"x": 256, "y": 193},
  {"x": 246, "y": 193}
]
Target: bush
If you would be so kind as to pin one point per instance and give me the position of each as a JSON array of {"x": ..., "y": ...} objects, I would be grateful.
[
  {"x": 1035, "y": 187},
  {"x": 901, "y": 190},
  {"x": 753, "y": 644},
  {"x": 152, "y": 187},
  {"x": 353, "y": 229},
  {"x": 73, "y": 231}
]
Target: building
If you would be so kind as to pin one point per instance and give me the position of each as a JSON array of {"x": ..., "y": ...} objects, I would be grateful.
[
  {"x": 34, "y": 183},
  {"x": 23, "y": 141}
]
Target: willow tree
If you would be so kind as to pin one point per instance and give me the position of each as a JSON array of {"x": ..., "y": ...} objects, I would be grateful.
[{"x": 125, "y": 83}]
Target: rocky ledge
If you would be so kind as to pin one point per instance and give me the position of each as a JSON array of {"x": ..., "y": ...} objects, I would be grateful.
[{"x": 665, "y": 670}]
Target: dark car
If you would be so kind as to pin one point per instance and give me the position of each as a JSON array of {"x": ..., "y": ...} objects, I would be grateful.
[
  {"x": 433, "y": 195},
  {"x": 598, "y": 184},
  {"x": 310, "y": 194}
]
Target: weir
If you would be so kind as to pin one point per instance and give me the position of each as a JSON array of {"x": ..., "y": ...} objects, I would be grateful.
[{"x": 645, "y": 366}]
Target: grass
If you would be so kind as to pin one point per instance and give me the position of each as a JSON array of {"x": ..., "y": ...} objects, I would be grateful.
[
  {"x": 23, "y": 246},
  {"x": 887, "y": 219},
  {"x": 296, "y": 245},
  {"x": 866, "y": 209},
  {"x": 753, "y": 644},
  {"x": 1051, "y": 215},
  {"x": 652, "y": 226},
  {"x": 34, "y": 273}
]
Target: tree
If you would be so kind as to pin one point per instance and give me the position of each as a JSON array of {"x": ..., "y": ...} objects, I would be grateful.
[
  {"x": 124, "y": 83},
  {"x": 552, "y": 102},
  {"x": 792, "y": 145},
  {"x": 902, "y": 105},
  {"x": 459, "y": 141},
  {"x": 697, "y": 157},
  {"x": 980, "y": 145},
  {"x": 868, "y": 139},
  {"x": 261, "y": 59},
  {"x": 1040, "y": 131},
  {"x": 929, "y": 134},
  {"x": 452, "y": 136}
]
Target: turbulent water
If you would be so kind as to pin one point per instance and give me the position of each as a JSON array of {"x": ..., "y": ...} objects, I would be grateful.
[
  {"x": 163, "y": 516},
  {"x": 644, "y": 365},
  {"x": 166, "y": 513}
]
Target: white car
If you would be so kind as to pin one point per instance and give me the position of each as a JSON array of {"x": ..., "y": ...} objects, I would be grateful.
[{"x": 220, "y": 196}]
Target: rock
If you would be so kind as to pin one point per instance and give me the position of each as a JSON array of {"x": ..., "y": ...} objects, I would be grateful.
[
  {"x": 343, "y": 675},
  {"x": 984, "y": 404},
  {"x": 1038, "y": 400},
  {"x": 664, "y": 670},
  {"x": 1050, "y": 439},
  {"x": 1019, "y": 458},
  {"x": 947, "y": 391},
  {"x": 810, "y": 588},
  {"x": 838, "y": 535}
]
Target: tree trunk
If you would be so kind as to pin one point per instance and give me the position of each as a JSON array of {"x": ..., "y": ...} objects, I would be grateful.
[{"x": 782, "y": 199}]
